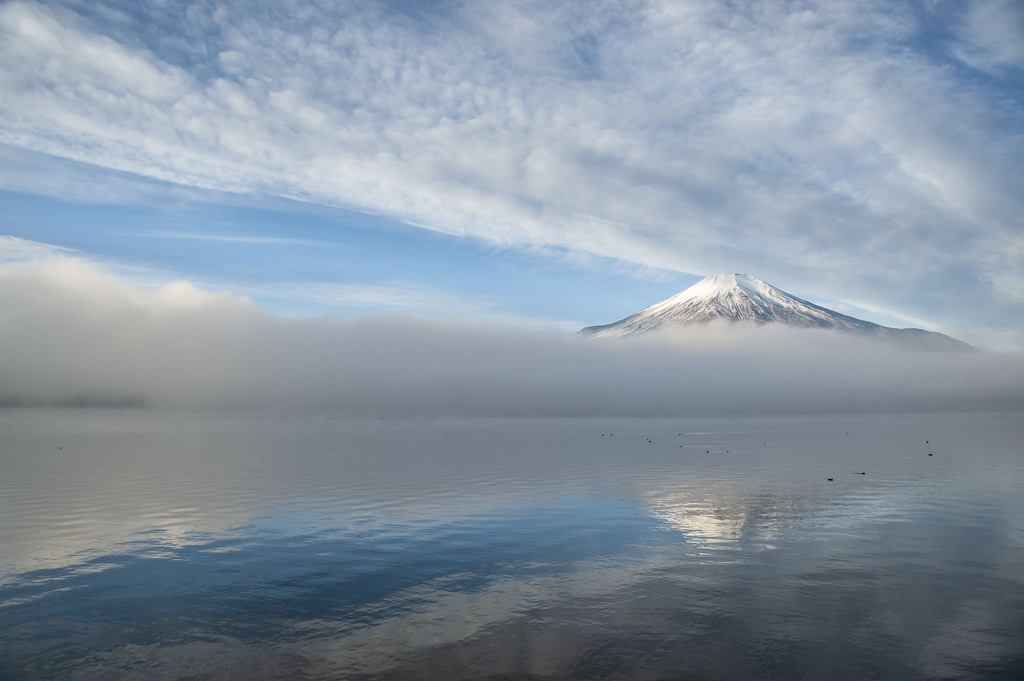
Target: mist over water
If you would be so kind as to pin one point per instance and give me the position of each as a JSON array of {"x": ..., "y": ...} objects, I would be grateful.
[
  {"x": 75, "y": 335},
  {"x": 165, "y": 545}
]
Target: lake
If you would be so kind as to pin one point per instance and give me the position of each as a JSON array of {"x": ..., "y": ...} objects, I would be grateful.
[{"x": 163, "y": 545}]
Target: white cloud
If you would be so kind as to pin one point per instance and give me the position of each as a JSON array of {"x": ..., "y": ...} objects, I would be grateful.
[
  {"x": 810, "y": 143},
  {"x": 992, "y": 36},
  {"x": 15, "y": 249}
]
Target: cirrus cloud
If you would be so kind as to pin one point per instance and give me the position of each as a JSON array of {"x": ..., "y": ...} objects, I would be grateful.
[{"x": 841, "y": 147}]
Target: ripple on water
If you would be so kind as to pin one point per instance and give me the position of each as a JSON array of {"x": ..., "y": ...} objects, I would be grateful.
[{"x": 162, "y": 545}]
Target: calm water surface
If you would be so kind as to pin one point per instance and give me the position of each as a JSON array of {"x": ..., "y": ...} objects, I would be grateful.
[{"x": 142, "y": 544}]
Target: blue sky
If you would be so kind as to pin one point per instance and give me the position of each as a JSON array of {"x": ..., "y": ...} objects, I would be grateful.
[{"x": 546, "y": 165}]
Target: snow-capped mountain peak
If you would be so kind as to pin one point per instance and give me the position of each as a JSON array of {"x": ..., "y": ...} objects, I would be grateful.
[
  {"x": 717, "y": 283},
  {"x": 744, "y": 298},
  {"x": 727, "y": 287}
]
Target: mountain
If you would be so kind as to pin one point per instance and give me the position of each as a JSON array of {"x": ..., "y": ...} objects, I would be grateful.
[{"x": 740, "y": 297}]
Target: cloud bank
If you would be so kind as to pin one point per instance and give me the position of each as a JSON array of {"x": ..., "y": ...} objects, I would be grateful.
[
  {"x": 869, "y": 151},
  {"x": 75, "y": 334}
]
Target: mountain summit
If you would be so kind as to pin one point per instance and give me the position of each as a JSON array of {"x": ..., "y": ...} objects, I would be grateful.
[{"x": 741, "y": 297}]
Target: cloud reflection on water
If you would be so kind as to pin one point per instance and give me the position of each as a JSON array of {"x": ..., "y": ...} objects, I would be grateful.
[{"x": 527, "y": 547}]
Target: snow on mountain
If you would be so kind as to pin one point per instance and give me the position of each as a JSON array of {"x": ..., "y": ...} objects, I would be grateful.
[{"x": 741, "y": 297}]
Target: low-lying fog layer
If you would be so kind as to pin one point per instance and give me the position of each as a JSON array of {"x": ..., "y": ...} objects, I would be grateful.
[{"x": 73, "y": 334}]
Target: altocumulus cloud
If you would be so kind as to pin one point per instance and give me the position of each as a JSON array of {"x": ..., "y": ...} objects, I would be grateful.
[
  {"x": 870, "y": 151},
  {"x": 76, "y": 334}
]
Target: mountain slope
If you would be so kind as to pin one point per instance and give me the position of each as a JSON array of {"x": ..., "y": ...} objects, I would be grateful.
[{"x": 740, "y": 297}]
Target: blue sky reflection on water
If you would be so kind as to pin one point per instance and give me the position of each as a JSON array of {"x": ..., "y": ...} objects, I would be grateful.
[{"x": 368, "y": 553}]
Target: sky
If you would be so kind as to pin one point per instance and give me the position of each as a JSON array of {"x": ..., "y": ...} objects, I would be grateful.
[
  {"x": 488, "y": 170},
  {"x": 546, "y": 165}
]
